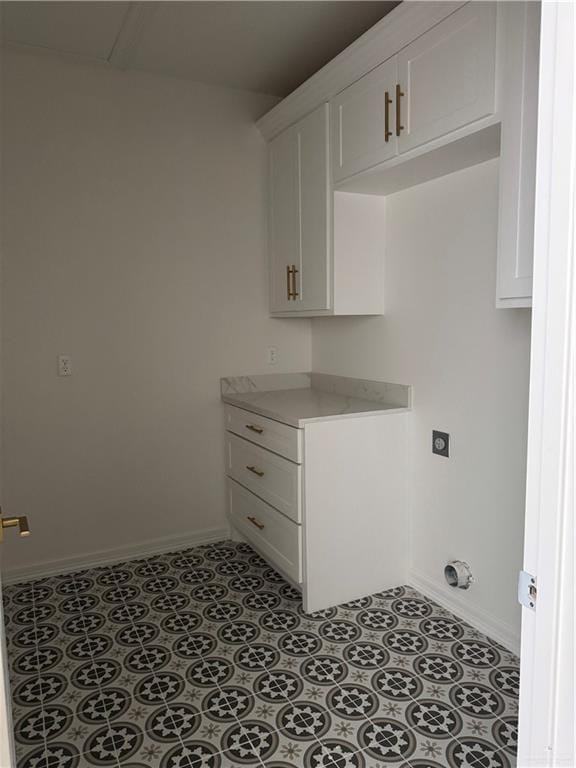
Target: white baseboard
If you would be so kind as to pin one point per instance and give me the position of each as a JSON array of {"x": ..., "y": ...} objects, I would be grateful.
[
  {"x": 111, "y": 556},
  {"x": 503, "y": 633}
]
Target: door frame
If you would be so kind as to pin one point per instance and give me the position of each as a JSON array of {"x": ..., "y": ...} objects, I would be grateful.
[{"x": 546, "y": 707}]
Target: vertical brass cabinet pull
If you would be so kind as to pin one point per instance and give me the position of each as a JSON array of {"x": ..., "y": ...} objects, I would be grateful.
[
  {"x": 252, "y": 428},
  {"x": 387, "y": 103},
  {"x": 295, "y": 293},
  {"x": 13, "y": 522},
  {"x": 399, "y": 126},
  {"x": 288, "y": 288},
  {"x": 252, "y": 468},
  {"x": 255, "y": 522}
]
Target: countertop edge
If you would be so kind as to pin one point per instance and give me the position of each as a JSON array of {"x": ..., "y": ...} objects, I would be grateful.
[{"x": 301, "y": 423}]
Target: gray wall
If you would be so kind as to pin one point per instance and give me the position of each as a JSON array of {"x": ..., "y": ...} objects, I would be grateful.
[
  {"x": 134, "y": 241},
  {"x": 469, "y": 365}
]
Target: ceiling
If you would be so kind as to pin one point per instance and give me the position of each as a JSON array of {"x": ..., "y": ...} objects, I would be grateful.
[{"x": 269, "y": 47}]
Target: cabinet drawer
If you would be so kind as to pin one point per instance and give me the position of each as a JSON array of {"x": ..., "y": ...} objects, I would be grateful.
[
  {"x": 280, "y": 438},
  {"x": 274, "y": 479},
  {"x": 277, "y": 538}
]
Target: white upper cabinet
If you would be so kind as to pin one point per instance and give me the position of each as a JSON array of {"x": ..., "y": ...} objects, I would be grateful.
[
  {"x": 446, "y": 78},
  {"x": 520, "y": 60},
  {"x": 315, "y": 197},
  {"x": 428, "y": 91},
  {"x": 443, "y": 81},
  {"x": 363, "y": 121},
  {"x": 326, "y": 248},
  {"x": 300, "y": 213},
  {"x": 284, "y": 224}
]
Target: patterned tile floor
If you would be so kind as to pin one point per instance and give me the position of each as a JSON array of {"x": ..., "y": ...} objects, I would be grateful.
[{"x": 205, "y": 659}]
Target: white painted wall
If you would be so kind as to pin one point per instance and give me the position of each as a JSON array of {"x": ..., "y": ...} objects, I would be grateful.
[
  {"x": 468, "y": 363},
  {"x": 133, "y": 241}
]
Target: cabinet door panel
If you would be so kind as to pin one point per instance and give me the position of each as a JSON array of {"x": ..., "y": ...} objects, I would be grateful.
[
  {"x": 359, "y": 119},
  {"x": 312, "y": 282},
  {"x": 448, "y": 75},
  {"x": 284, "y": 240}
]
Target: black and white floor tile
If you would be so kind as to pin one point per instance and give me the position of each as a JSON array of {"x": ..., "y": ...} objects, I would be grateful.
[{"x": 205, "y": 659}]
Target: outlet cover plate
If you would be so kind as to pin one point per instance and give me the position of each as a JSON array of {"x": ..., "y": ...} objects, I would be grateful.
[{"x": 440, "y": 443}]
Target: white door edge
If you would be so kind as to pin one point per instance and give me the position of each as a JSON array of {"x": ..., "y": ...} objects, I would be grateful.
[{"x": 546, "y": 735}]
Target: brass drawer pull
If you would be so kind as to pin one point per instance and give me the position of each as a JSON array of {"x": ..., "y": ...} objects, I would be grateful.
[
  {"x": 255, "y": 522},
  {"x": 399, "y": 126},
  {"x": 252, "y": 468},
  {"x": 387, "y": 103},
  {"x": 252, "y": 428},
  {"x": 288, "y": 288}
]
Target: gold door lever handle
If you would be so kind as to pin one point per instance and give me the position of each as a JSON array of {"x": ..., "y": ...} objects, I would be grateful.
[{"x": 13, "y": 522}]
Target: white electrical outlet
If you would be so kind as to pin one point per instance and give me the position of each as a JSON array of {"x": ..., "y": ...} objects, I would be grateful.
[
  {"x": 272, "y": 355},
  {"x": 64, "y": 365}
]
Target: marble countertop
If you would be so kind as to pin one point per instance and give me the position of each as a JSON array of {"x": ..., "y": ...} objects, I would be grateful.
[{"x": 300, "y": 398}]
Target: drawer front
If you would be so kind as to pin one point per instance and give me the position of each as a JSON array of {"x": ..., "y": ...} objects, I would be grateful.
[
  {"x": 274, "y": 479},
  {"x": 280, "y": 438},
  {"x": 277, "y": 538}
]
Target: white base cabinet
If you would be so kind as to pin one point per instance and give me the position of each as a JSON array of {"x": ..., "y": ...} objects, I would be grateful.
[{"x": 341, "y": 533}]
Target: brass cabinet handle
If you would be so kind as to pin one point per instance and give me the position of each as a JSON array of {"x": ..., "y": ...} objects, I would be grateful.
[
  {"x": 399, "y": 126},
  {"x": 252, "y": 428},
  {"x": 387, "y": 103},
  {"x": 13, "y": 522},
  {"x": 252, "y": 468},
  {"x": 255, "y": 522},
  {"x": 295, "y": 293},
  {"x": 288, "y": 289}
]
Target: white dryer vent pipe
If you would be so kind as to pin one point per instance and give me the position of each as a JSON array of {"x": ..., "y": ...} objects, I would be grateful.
[{"x": 458, "y": 574}]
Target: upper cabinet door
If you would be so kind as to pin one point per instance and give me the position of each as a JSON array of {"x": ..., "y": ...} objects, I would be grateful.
[
  {"x": 312, "y": 281},
  {"x": 300, "y": 216},
  {"x": 447, "y": 76},
  {"x": 284, "y": 223},
  {"x": 363, "y": 121}
]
